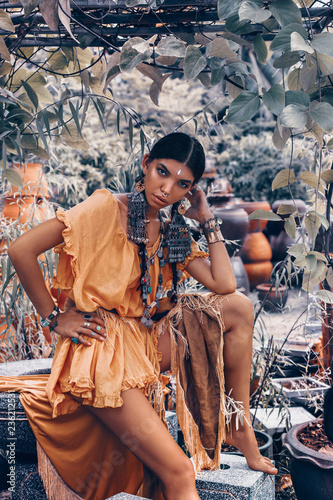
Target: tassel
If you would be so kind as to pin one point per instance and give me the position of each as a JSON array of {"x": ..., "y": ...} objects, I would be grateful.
[{"x": 178, "y": 240}]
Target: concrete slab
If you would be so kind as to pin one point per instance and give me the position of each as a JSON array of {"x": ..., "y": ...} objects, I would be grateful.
[
  {"x": 235, "y": 480},
  {"x": 271, "y": 420}
]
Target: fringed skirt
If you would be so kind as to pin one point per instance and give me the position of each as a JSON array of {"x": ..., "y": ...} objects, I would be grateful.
[{"x": 78, "y": 456}]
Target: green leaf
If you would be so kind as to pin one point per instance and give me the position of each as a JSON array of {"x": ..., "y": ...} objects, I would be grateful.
[
  {"x": 264, "y": 215},
  {"x": 325, "y": 295},
  {"x": 297, "y": 42},
  {"x": 294, "y": 79},
  {"x": 217, "y": 70},
  {"x": 75, "y": 117},
  {"x": 204, "y": 79},
  {"x": 58, "y": 61},
  {"x": 260, "y": 48},
  {"x": 280, "y": 135},
  {"x": 327, "y": 176},
  {"x": 14, "y": 178},
  {"x": 29, "y": 141},
  {"x": 324, "y": 221},
  {"x": 244, "y": 107},
  {"x": 194, "y": 62},
  {"x": 171, "y": 46},
  {"x": 253, "y": 11},
  {"x": 323, "y": 43},
  {"x": 6, "y": 23},
  {"x": 287, "y": 60},
  {"x": 282, "y": 39},
  {"x": 283, "y": 178},
  {"x": 41, "y": 134},
  {"x": 285, "y": 12},
  {"x": 310, "y": 262},
  {"x": 329, "y": 276},
  {"x": 297, "y": 250},
  {"x": 130, "y": 57},
  {"x": 290, "y": 227},
  {"x": 225, "y": 8},
  {"x": 294, "y": 116},
  {"x": 310, "y": 179},
  {"x": 236, "y": 26},
  {"x": 274, "y": 99},
  {"x": 312, "y": 224},
  {"x": 322, "y": 113},
  {"x": 285, "y": 209}
]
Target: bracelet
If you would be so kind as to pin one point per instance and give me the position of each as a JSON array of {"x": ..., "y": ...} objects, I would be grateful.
[
  {"x": 46, "y": 321},
  {"x": 53, "y": 326},
  {"x": 212, "y": 231}
]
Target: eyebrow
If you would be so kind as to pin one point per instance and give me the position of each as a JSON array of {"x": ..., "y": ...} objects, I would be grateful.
[{"x": 168, "y": 171}]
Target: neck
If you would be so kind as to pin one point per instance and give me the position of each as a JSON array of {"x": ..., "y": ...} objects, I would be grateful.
[{"x": 153, "y": 213}]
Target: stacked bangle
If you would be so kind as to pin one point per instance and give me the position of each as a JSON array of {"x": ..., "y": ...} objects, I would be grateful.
[
  {"x": 47, "y": 321},
  {"x": 212, "y": 231}
]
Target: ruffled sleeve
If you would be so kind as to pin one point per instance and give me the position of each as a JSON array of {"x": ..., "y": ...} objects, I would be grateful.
[{"x": 95, "y": 259}]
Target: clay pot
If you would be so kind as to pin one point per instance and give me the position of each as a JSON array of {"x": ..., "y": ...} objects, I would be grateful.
[
  {"x": 234, "y": 227},
  {"x": 24, "y": 209},
  {"x": 258, "y": 272},
  {"x": 256, "y": 225},
  {"x": 34, "y": 182},
  {"x": 311, "y": 471},
  {"x": 273, "y": 299},
  {"x": 243, "y": 284},
  {"x": 256, "y": 248}
]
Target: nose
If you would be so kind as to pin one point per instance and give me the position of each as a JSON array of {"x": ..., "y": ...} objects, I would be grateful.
[{"x": 166, "y": 188}]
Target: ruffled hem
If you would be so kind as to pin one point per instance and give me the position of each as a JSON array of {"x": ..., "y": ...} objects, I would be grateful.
[
  {"x": 67, "y": 247},
  {"x": 181, "y": 267}
]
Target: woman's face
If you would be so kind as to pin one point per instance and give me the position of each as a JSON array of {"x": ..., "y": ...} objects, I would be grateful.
[{"x": 166, "y": 182}]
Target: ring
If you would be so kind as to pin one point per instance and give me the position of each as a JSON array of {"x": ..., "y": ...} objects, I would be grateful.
[
  {"x": 87, "y": 316},
  {"x": 75, "y": 340},
  {"x": 92, "y": 334},
  {"x": 86, "y": 324},
  {"x": 98, "y": 328}
]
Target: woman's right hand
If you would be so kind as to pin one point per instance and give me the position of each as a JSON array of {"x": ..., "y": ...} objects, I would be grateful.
[{"x": 82, "y": 326}]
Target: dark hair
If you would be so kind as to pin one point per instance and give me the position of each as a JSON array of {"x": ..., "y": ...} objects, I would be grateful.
[{"x": 183, "y": 148}]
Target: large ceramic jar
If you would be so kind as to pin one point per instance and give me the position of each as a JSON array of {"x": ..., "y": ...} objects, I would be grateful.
[
  {"x": 256, "y": 252},
  {"x": 235, "y": 225}
]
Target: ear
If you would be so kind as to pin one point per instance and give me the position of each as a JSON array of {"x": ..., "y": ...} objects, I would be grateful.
[{"x": 145, "y": 163}]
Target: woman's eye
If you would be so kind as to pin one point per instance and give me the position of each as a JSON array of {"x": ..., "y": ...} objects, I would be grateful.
[
  {"x": 183, "y": 185},
  {"x": 161, "y": 171}
]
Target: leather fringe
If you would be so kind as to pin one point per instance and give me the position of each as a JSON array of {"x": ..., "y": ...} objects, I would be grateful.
[{"x": 54, "y": 486}]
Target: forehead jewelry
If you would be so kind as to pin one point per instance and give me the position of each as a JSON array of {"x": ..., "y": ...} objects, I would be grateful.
[{"x": 179, "y": 171}]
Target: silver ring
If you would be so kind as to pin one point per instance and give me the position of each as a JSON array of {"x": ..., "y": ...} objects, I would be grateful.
[
  {"x": 87, "y": 316},
  {"x": 86, "y": 324},
  {"x": 165, "y": 195},
  {"x": 92, "y": 334}
]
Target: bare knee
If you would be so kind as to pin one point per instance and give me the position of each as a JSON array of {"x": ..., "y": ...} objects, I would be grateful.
[{"x": 181, "y": 477}]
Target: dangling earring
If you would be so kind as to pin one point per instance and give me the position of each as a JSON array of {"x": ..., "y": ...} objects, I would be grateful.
[
  {"x": 140, "y": 185},
  {"x": 182, "y": 207}
]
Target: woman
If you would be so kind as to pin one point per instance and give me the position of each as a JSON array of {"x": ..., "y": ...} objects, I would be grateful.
[{"x": 117, "y": 257}]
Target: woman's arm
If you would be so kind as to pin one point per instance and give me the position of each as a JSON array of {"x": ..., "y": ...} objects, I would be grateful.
[
  {"x": 23, "y": 254},
  {"x": 217, "y": 274}
]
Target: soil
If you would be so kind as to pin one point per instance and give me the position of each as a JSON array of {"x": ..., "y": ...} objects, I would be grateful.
[
  {"x": 227, "y": 448},
  {"x": 313, "y": 436}
]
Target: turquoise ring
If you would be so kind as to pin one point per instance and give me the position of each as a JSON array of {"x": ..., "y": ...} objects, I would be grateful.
[
  {"x": 98, "y": 328},
  {"x": 75, "y": 340}
]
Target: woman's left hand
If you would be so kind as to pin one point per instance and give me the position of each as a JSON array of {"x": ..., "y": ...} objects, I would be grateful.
[{"x": 199, "y": 209}]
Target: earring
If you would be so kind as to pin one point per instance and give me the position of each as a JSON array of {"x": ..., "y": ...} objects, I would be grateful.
[
  {"x": 182, "y": 207},
  {"x": 140, "y": 185}
]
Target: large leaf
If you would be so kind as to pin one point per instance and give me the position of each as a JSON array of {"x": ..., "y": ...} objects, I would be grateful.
[
  {"x": 310, "y": 179},
  {"x": 260, "y": 48},
  {"x": 285, "y": 12},
  {"x": 290, "y": 227},
  {"x": 325, "y": 64},
  {"x": 171, "y": 47},
  {"x": 64, "y": 13},
  {"x": 153, "y": 73},
  {"x": 297, "y": 97},
  {"x": 49, "y": 11},
  {"x": 4, "y": 52},
  {"x": 297, "y": 42},
  {"x": 312, "y": 224},
  {"x": 286, "y": 60},
  {"x": 31, "y": 94},
  {"x": 219, "y": 47},
  {"x": 253, "y": 10},
  {"x": 327, "y": 176},
  {"x": 58, "y": 61},
  {"x": 225, "y": 8},
  {"x": 323, "y": 43},
  {"x": 130, "y": 57},
  {"x": 280, "y": 135},
  {"x": 263, "y": 215},
  {"x": 308, "y": 76},
  {"x": 29, "y": 5},
  {"x": 6, "y": 23},
  {"x": 217, "y": 70},
  {"x": 322, "y": 113},
  {"x": 294, "y": 79},
  {"x": 235, "y": 86},
  {"x": 14, "y": 178},
  {"x": 236, "y": 26},
  {"x": 294, "y": 116},
  {"x": 194, "y": 62},
  {"x": 282, "y": 39},
  {"x": 325, "y": 295},
  {"x": 155, "y": 90},
  {"x": 274, "y": 99},
  {"x": 244, "y": 107},
  {"x": 283, "y": 178}
]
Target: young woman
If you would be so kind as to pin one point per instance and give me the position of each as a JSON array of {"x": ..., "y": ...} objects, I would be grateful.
[{"x": 117, "y": 257}]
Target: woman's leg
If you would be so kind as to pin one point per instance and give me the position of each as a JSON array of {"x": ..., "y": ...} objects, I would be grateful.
[
  {"x": 237, "y": 352},
  {"x": 140, "y": 429}
]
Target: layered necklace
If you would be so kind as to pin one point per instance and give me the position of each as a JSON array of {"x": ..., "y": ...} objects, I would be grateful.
[{"x": 177, "y": 240}]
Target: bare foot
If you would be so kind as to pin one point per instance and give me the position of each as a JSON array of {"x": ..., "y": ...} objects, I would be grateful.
[{"x": 244, "y": 439}]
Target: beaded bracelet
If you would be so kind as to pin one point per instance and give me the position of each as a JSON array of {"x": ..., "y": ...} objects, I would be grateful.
[
  {"x": 212, "y": 231},
  {"x": 46, "y": 321}
]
